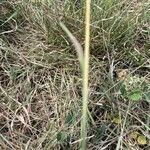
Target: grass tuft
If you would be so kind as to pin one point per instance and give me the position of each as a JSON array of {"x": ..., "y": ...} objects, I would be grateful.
[{"x": 41, "y": 75}]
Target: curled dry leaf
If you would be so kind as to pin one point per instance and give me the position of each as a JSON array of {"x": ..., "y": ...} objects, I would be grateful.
[
  {"x": 142, "y": 140},
  {"x": 117, "y": 120},
  {"x": 122, "y": 74},
  {"x": 134, "y": 135}
]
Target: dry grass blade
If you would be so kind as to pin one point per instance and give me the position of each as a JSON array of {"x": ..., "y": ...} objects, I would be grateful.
[{"x": 75, "y": 42}]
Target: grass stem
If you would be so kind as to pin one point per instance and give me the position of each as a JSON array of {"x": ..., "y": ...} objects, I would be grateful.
[{"x": 85, "y": 76}]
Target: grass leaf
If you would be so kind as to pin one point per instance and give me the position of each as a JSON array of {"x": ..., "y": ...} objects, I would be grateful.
[{"x": 135, "y": 95}]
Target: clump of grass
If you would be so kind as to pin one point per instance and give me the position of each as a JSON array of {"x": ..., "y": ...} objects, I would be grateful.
[{"x": 41, "y": 77}]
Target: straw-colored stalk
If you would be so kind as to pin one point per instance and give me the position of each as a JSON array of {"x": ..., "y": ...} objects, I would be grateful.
[{"x": 85, "y": 76}]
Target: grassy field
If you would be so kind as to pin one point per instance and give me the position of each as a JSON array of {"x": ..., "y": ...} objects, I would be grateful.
[{"x": 41, "y": 75}]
